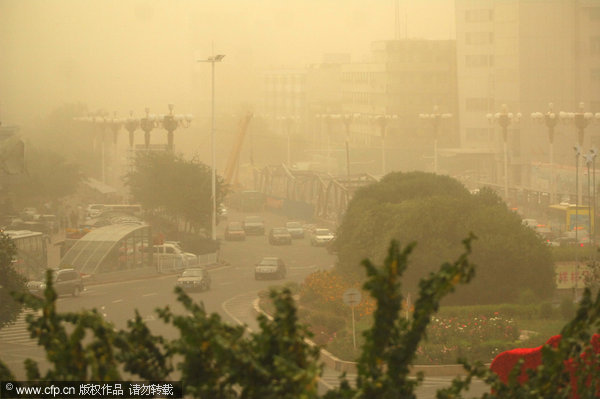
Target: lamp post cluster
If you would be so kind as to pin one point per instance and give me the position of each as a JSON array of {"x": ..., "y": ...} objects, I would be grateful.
[
  {"x": 436, "y": 119},
  {"x": 581, "y": 120},
  {"x": 504, "y": 119},
  {"x": 550, "y": 119},
  {"x": 382, "y": 120},
  {"x": 149, "y": 122},
  {"x": 288, "y": 121}
]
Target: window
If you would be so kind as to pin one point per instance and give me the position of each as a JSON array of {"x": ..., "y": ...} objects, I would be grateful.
[
  {"x": 479, "y": 61},
  {"x": 481, "y": 15},
  {"x": 478, "y": 38}
]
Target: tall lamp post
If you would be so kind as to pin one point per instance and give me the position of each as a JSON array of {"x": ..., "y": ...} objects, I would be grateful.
[
  {"x": 435, "y": 118},
  {"x": 581, "y": 119},
  {"x": 382, "y": 122},
  {"x": 212, "y": 60},
  {"x": 347, "y": 119},
  {"x": 550, "y": 119},
  {"x": 504, "y": 119},
  {"x": 287, "y": 122},
  {"x": 171, "y": 122},
  {"x": 148, "y": 123}
]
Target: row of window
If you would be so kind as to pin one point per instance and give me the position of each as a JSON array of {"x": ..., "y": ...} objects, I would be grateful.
[
  {"x": 479, "y": 61},
  {"x": 480, "y": 15},
  {"x": 358, "y": 77},
  {"x": 478, "y": 38}
]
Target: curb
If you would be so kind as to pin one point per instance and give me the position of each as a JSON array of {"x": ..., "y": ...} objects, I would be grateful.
[
  {"x": 331, "y": 361},
  {"x": 146, "y": 274}
]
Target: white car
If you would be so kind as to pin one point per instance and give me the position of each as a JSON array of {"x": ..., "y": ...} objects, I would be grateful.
[
  {"x": 321, "y": 237},
  {"x": 295, "y": 229}
]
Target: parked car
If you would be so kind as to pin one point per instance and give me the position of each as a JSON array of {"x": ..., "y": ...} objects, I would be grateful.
[
  {"x": 279, "y": 235},
  {"x": 194, "y": 279},
  {"x": 321, "y": 237},
  {"x": 295, "y": 229},
  {"x": 65, "y": 281},
  {"x": 254, "y": 225},
  {"x": 270, "y": 267},
  {"x": 234, "y": 231}
]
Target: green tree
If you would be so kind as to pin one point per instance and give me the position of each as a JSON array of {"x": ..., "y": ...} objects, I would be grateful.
[
  {"x": 168, "y": 184},
  {"x": 437, "y": 211},
  {"x": 218, "y": 360},
  {"x": 49, "y": 177},
  {"x": 10, "y": 281}
]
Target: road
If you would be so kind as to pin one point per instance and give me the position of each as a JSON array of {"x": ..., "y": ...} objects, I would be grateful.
[{"x": 231, "y": 295}]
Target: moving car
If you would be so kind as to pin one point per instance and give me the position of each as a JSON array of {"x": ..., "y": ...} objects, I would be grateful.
[
  {"x": 279, "y": 235},
  {"x": 194, "y": 279},
  {"x": 321, "y": 237},
  {"x": 270, "y": 267},
  {"x": 235, "y": 232},
  {"x": 65, "y": 281},
  {"x": 295, "y": 229},
  {"x": 254, "y": 225}
]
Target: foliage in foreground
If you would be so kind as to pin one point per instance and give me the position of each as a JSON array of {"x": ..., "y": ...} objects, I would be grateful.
[
  {"x": 10, "y": 281},
  {"x": 217, "y": 360}
]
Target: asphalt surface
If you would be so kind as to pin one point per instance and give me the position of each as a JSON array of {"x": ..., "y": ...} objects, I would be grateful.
[{"x": 231, "y": 296}]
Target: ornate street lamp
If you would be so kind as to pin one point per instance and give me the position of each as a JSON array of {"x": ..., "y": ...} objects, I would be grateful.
[
  {"x": 131, "y": 125},
  {"x": 287, "y": 122},
  {"x": 382, "y": 121},
  {"x": 550, "y": 119},
  {"x": 148, "y": 123},
  {"x": 581, "y": 120},
  {"x": 504, "y": 119},
  {"x": 435, "y": 118},
  {"x": 171, "y": 122},
  {"x": 347, "y": 119}
]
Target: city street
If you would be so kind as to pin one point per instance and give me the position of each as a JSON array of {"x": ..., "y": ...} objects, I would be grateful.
[{"x": 232, "y": 292}]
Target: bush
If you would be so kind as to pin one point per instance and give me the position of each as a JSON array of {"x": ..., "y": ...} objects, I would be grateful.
[
  {"x": 567, "y": 308},
  {"x": 546, "y": 311}
]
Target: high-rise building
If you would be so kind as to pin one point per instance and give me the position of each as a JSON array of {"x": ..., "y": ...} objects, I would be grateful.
[{"x": 526, "y": 54}]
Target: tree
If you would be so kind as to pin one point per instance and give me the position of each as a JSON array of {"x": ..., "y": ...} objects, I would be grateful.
[
  {"x": 218, "y": 360},
  {"x": 168, "y": 184},
  {"x": 10, "y": 281},
  {"x": 49, "y": 177},
  {"x": 437, "y": 211}
]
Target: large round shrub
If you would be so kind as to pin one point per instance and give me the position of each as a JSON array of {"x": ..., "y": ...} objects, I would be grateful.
[{"x": 438, "y": 212}]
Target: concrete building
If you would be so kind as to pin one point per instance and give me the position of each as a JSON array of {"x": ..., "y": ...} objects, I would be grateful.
[
  {"x": 404, "y": 78},
  {"x": 526, "y": 54}
]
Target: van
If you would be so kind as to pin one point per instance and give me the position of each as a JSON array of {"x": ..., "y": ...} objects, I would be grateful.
[{"x": 170, "y": 256}]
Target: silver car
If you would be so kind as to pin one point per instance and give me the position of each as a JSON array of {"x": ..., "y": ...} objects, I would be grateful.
[{"x": 270, "y": 267}]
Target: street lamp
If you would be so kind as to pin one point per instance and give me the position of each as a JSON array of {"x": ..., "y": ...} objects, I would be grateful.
[
  {"x": 504, "y": 119},
  {"x": 213, "y": 60},
  {"x": 551, "y": 119},
  {"x": 131, "y": 125},
  {"x": 171, "y": 122},
  {"x": 347, "y": 119},
  {"x": 288, "y": 121},
  {"x": 382, "y": 121},
  {"x": 581, "y": 120},
  {"x": 435, "y": 118},
  {"x": 148, "y": 123}
]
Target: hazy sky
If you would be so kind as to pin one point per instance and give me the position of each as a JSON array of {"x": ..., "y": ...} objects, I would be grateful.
[{"x": 123, "y": 55}]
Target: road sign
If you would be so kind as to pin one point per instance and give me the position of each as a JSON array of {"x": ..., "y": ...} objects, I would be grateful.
[{"x": 351, "y": 297}]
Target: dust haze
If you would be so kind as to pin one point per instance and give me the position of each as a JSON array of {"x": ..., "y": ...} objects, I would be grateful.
[{"x": 128, "y": 55}]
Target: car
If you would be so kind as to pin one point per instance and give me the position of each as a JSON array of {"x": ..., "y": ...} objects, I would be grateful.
[
  {"x": 270, "y": 267},
  {"x": 234, "y": 231},
  {"x": 280, "y": 235},
  {"x": 254, "y": 225},
  {"x": 321, "y": 237},
  {"x": 191, "y": 259},
  {"x": 65, "y": 281},
  {"x": 295, "y": 229},
  {"x": 194, "y": 279}
]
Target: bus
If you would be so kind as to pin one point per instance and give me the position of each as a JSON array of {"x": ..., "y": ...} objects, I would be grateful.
[
  {"x": 31, "y": 259},
  {"x": 565, "y": 217}
]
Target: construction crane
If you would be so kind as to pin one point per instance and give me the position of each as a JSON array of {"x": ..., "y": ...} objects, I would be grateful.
[{"x": 233, "y": 162}]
